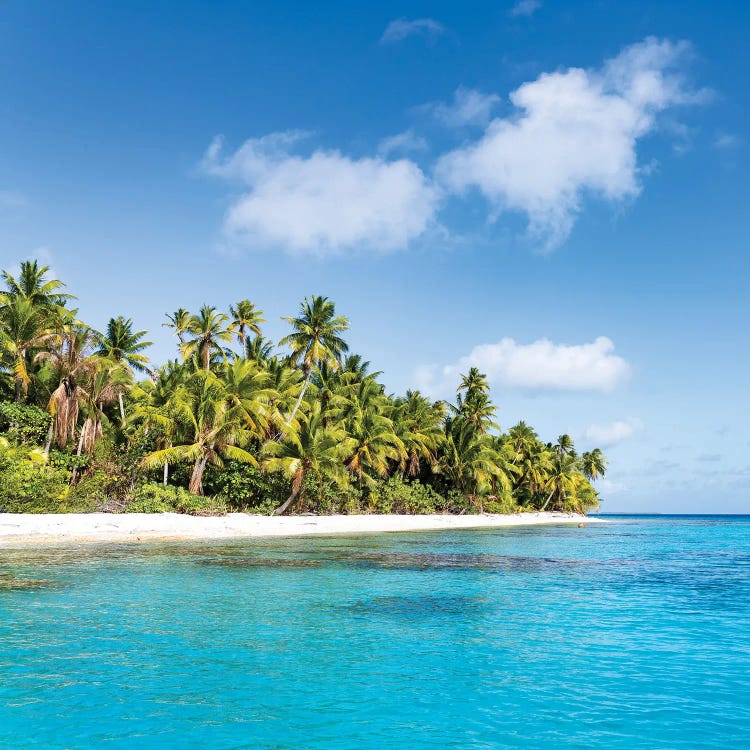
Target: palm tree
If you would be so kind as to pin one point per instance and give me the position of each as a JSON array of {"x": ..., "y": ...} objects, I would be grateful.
[
  {"x": 259, "y": 349},
  {"x": 562, "y": 480},
  {"x": 70, "y": 354},
  {"x": 473, "y": 401},
  {"x": 315, "y": 340},
  {"x": 249, "y": 394},
  {"x": 211, "y": 430},
  {"x": 150, "y": 401},
  {"x": 470, "y": 462},
  {"x": 245, "y": 317},
  {"x": 564, "y": 446},
  {"x": 535, "y": 467},
  {"x": 104, "y": 384},
  {"x": 123, "y": 345},
  {"x": 22, "y": 329},
  {"x": 206, "y": 331},
  {"x": 179, "y": 321},
  {"x": 374, "y": 445},
  {"x": 522, "y": 438},
  {"x": 313, "y": 448},
  {"x": 418, "y": 424},
  {"x": 285, "y": 385},
  {"x": 593, "y": 464},
  {"x": 32, "y": 286}
]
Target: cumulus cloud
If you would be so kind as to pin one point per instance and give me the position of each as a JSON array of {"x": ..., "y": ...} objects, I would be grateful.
[
  {"x": 574, "y": 132},
  {"x": 398, "y": 30},
  {"x": 539, "y": 366},
  {"x": 525, "y": 7},
  {"x": 607, "y": 435},
  {"x": 321, "y": 203},
  {"x": 402, "y": 142}
]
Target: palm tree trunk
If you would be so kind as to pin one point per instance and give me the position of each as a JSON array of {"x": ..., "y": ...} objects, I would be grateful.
[
  {"x": 122, "y": 408},
  {"x": 196, "y": 478},
  {"x": 549, "y": 497},
  {"x": 50, "y": 436},
  {"x": 299, "y": 399},
  {"x": 286, "y": 503},
  {"x": 78, "y": 455},
  {"x": 166, "y": 473}
]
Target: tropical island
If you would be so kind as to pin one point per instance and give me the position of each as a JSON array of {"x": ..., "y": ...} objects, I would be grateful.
[{"x": 237, "y": 424}]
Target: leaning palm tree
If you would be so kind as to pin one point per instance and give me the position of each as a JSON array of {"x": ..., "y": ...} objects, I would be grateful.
[
  {"x": 210, "y": 429},
  {"x": 314, "y": 448},
  {"x": 315, "y": 340},
  {"x": 245, "y": 317},
  {"x": 562, "y": 480},
  {"x": 123, "y": 345},
  {"x": 593, "y": 464},
  {"x": 205, "y": 332},
  {"x": 523, "y": 439},
  {"x": 471, "y": 464}
]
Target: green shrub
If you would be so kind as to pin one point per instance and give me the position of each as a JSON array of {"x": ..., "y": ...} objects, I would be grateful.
[
  {"x": 26, "y": 487},
  {"x": 24, "y": 423},
  {"x": 398, "y": 496},
  {"x": 245, "y": 487},
  {"x": 500, "y": 505},
  {"x": 156, "y": 498}
]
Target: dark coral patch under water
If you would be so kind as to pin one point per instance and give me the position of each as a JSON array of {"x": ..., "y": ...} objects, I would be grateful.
[{"x": 9, "y": 582}]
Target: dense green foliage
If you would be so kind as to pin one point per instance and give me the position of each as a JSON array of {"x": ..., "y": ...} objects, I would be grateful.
[{"x": 86, "y": 422}]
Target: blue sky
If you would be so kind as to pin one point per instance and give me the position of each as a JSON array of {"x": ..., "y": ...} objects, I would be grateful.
[{"x": 555, "y": 192}]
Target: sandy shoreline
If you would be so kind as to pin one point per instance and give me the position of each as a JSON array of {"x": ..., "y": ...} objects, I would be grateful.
[{"x": 38, "y": 529}]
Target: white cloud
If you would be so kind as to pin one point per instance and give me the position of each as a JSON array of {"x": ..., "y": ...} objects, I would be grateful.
[
  {"x": 406, "y": 141},
  {"x": 469, "y": 107},
  {"x": 323, "y": 203},
  {"x": 726, "y": 141},
  {"x": 401, "y": 28},
  {"x": 541, "y": 365},
  {"x": 606, "y": 435},
  {"x": 525, "y": 7},
  {"x": 607, "y": 487},
  {"x": 574, "y": 132}
]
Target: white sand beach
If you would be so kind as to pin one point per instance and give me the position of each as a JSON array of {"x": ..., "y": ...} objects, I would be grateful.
[{"x": 36, "y": 529}]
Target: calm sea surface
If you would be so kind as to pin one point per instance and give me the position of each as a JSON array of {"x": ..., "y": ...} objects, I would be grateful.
[{"x": 634, "y": 634}]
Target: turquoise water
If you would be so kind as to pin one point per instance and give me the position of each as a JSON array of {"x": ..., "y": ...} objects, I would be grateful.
[{"x": 634, "y": 634}]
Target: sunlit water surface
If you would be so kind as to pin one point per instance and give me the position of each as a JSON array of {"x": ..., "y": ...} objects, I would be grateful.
[{"x": 634, "y": 634}]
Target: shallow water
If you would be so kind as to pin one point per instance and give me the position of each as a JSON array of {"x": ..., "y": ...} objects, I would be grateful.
[{"x": 634, "y": 634}]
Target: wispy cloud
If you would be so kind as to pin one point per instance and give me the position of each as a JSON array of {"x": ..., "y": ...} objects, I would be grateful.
[
  {"x": 401, "y": 28},
  {"x": 726, "y": 141},
  {"x": 468, "y": 107},
  {"x": 539, "y": 366},
  {"x": 607, "y": 435},
  {"x": 574, "y": 133},
  {"x": 321, "y": 203},
  {"x": 402, "y": 143},
  {"x": 525, "y": 8}
]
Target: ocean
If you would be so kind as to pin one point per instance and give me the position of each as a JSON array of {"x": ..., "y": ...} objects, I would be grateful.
[{"x": 630, "y": 634}]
